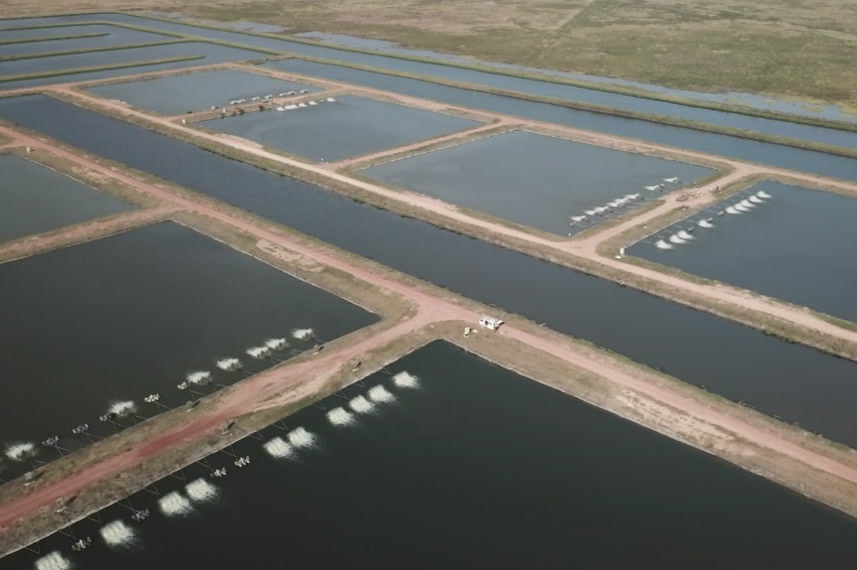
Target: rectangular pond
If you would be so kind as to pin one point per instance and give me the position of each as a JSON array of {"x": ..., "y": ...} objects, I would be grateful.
[
  {"x": 56, "y": 63},
  {"x": 176, "y": 94},
  {"x": 553, "y": 184},
  {"x": 123, "y": 317},
  {"x": 37, "y": 199},
  {"x": 345, "y": 127},
  {"x": 783, "y": 241},
  {"x": 793, "y": 381},
  {"x": 113, "y": 36},
  {"x": 452, "y": 462}
]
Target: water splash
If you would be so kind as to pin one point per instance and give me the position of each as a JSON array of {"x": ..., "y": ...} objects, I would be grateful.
[
  {"x": 301, "y": 438},
  {"x": 259, "y": 351},
  {"x": 746, "y": 203},
  {"x": 278, "y": 448},
  {"x": 361, "y": 405},
  {"x": 21, "y": 451},
  {"x": 672, "y": 180},
  {"x": 705, "y": 224},
  {"x": 303, "y": 334},
  {"x": 685, "y": 235},
  {"x": 229, "y": 364},
  {"x": 662, "y": 244},
  {"x": 117, "y": 533},
  {"x": 277, "y": 343},
  {"x": 340, "y": 417},
  {"x": 200, "y": 490},
  {"x": 199, "y": 377},
  {"x": 174, "y": 504},
  {"x": 732, "y": 210},
  {"x": 740, "y": 207},
  {"x": 763, "y": 194},
  {"x": 53, "y": 561},
  {"x": 676, "y": 239},
  {"x": 123, "y": 409},
  {"x": 653, "y": 188},
  {"x": 756, "y": 200},
  {"x": 406, "y": 380},
  {"x": 380, "y": 394}
]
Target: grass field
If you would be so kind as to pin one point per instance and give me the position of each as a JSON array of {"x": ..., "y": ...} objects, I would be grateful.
[{"x": 801, "y": 49}]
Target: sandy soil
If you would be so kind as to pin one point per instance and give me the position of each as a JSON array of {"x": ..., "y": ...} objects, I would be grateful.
[{"x": 281, "y": 385}]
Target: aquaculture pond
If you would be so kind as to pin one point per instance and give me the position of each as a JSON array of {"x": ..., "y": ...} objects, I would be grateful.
[
  {"x": 37, "y": 199},
  {"x": 783, "y": 241},
  {"x": 110, "y": 36},
  {"x": 330, "y": 130},
  {"x": 174, "y": 94},
  {"x": 680, "y": 137},
  {"x": 793, "y": 381},
  {"x": 452, "y": 462},
  {"x": 549, "y": 183},
  {"x": 212, "y": 53},
  {"x": 124, "y": 317}
]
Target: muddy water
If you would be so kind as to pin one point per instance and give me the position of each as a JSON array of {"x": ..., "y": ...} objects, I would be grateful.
[
  {"x": 477, "y": 468},
  {"x": 795, "y": 382},
  {"x": 130, "y": 315}
]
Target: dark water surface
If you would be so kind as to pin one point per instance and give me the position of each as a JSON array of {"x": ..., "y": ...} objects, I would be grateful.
[
  {"x": 125, "y": 316},
  {"x": 476, "y": 468},
  {"x": 793, "y": 381},
  {"x": 176, "y": 94},
  {"x": 797, "y": 246},
  {"x": 495, "y": 175},
  {"x": 36, "y": 199},
  {"x": 335, "y": 130},
  {"x": 116, "y": 36}
]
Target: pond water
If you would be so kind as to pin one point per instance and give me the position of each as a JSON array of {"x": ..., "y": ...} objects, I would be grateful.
[
  {"x": 123, "y": 317},
  {"x": 38, "y": 199},
  {"x": 476, "y": 467},
  {"x": 539, "y": 181},
  {"x": 680, "y": 137},
  {"x": 348, "y": 126},
  {"x": 176, "y": 94},
  {"x": 790, "y": 380},
  {"x": 796, "y": 245},
  {"x": 212, "y": 52},
  {"x": 115, "y": 36}
]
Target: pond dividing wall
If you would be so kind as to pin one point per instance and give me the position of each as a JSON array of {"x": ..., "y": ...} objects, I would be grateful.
[
  {"x": 790, "y": 380},
  {"x": 442, "y": 463}
]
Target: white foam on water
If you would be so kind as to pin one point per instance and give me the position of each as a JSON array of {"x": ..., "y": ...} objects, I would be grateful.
[
  {"x": 117, "y": 533},
  {"x": 732, "y": 210},
  {"x": 740, "y": 207},
  {"x": 705, "y": 224},
  {"x": 20, "y": 451},
  {"x": 302, "y": 334},
  {"x": 229, "y": 364},
  {"x": 200, "y": 490},
  {"x": 300, "y": 437},
  {"x": 406, "y": 380},
  {"x": 198, "y": 377},
  {"x": 661, "y": 244},
  {"x": 380, "y": 394},
  {"x": 361, "y": 405},
  {"x": 278, "y": 448},
  {"x": 259, "y": 351},
  {"x": 174, "y": 504},
  {"x": 340, "y": 417},
  {"x": 676, "y": 239},
  {"x": 763, "y": 194},
  {"x": 276, "y": 343},
  {"x": 653, "y": 188},
  {"x": 746, "y": 203},
  {"x": 685, "y": 235},
  {"x": 53, "y": 561},
  {"x": 123, "y": 408},
  {"x": 756, "y": 200}
]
